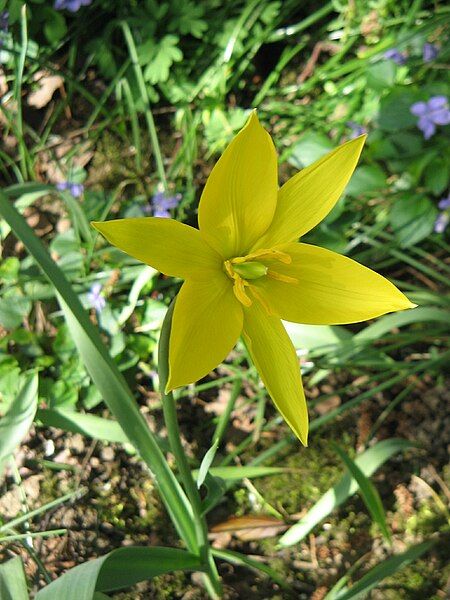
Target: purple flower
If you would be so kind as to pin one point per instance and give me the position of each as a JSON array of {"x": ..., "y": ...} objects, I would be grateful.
[
  {"x": 96, "y": 300},
  {"x": 162, "y": 203},
  {"x": 441, "y": 222},
  {"x": 431, "y": 113},
  {"x": 75, "y": 189},
  {"x": 430, "y": 52},
  {"x": 398, "y": 57},
  {"x": 443, "y": 217},
  {"x": 444, "y": 203},
  {"x": 356, "y": 129},
  {"x": 71, "y": 5},
  {"x": 4, "y": 17}
]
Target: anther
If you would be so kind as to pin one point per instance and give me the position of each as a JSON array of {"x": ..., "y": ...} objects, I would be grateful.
[{"x": 280, "y": 277}]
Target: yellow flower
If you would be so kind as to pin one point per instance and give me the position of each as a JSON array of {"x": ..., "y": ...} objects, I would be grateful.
[{"x": 244, "y": 270}]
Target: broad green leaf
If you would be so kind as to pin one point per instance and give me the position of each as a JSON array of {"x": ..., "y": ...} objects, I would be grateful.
[
  {"x": 119, "y": 569},
  {"x": 412, "y": 218},
  {"x": 381, "y": 75},
  {"x": 384, "y": 569},
  {"x": 13, "y": 585},
  {"x": 437, "y": 175},
  {"x": 309, "y": 148},
  {"x": 13, "y": 309},
  {"x": 394, "y": 113},
  {"x": 368, "y": 178},
  {"x": 107, "y": 377},
  {"x": 368, "y": 462},
  {"x": 368, "y": 492},
  {"x": 17, "y": 421}
]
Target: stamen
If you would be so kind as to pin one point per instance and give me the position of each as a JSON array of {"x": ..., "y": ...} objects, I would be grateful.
[
  {"x": 229, "y": 269},
  {"x": 264, "y": 253},
  {"x": 239, "y": 291},
  {"x": 260, "y": 299},
  {"x": 280, "y": 277}
]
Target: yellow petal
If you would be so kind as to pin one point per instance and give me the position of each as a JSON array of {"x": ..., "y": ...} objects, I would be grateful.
[
  {"x": 276, "y": 361},
  {"x": 307, "y": 198},
  {"x": 238, "y": 202},
  {"x": 167, "y": 245},
  {"x": 331, "y": 289},
  {"x": 207, "y": 321}
]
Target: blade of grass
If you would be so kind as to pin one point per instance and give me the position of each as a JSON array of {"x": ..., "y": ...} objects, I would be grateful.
[
  {"x": 241, "y": 560},
  {"x": 384, "y": 569},
  {"x": 145, "y": 98},
  {"x": 368, "y": 492},
  {"x": 368, "y": 462}
]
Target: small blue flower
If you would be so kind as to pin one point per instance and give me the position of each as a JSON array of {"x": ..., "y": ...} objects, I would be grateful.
[
  {"x": 75, "y": 189},
  {"x": 431, "y": 113},
  {"x": 395, "y": 55},
  {"x": 429, "y": 52},
  {"x": 443, "y": 218},
  {"x": 441, "y": 222},
  {"x": 4, "y": 18},
  {"x": 356, "y": 129},
  {"x": 444, "y": 203},
  {"x": 162, "y": 203},
  {"x": 71, "y": 5},
  {"x": 96, "y": 300}
]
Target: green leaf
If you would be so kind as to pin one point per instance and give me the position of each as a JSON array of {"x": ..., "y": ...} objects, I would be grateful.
[
  {"x": 384, "y": 569},
  {"x": 206, "y": 463},
  {"x": 164, "y": 55},
  {"x": 368, "y": 462},
  {"x": 107, "y": 377},
  {"x": 216, "y": 489},
  {"x": 412, "y": 218},
  {"x": 395, "y": 113},
  {"x": 16, "y": 423},
  {"x": 90, "y": 425},
  {"x": 118, "y": 569},
  {"x": 9, "y": 269},
  {"x": 145, "y": 275},
  {"x": 317, "y": 337},
  {"x": 13, "y": 585},
  {"x": 242, "y": 560},
  {"x": 309, "y": 148},
  {"x": 385, "y": 324},
  {"x": 437, "y": 175},
  {"x": 368, "y": 492},
  {"x": 381, "y": 75},
  {"x": 13, "y": 309},
  {"x": 55, "y": 27},
  {"x": 228, "y": 473},
  {"x": 366, "y": 179}
]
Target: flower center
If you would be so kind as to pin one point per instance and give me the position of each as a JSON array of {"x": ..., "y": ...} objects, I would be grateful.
[{"x": 244, "y": 269}]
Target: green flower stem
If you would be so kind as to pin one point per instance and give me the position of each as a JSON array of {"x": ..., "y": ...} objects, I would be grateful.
[
  {"x": 107, "y": 377},
  {"x": 212, "y": 579}
]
